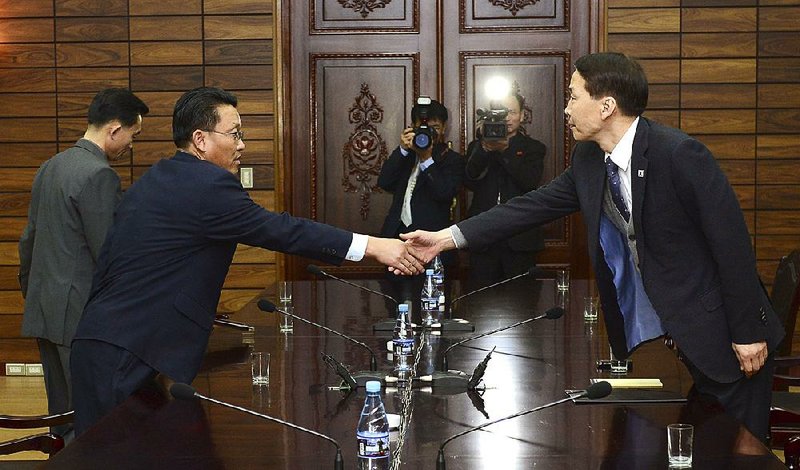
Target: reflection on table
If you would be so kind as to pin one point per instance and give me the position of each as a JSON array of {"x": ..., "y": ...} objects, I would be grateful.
[{"x": 532, "y": 365}]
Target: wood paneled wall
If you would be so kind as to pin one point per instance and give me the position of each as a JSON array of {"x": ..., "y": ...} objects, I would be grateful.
[
  {"x": 728, "y": 72},
  {"x": 56, "y": 54}
]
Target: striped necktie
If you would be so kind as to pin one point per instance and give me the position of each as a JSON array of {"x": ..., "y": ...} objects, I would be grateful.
[{"x": 612, "y": 174}]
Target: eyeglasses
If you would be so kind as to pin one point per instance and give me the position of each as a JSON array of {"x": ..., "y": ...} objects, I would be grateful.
[{"x": 237, "y": 135}]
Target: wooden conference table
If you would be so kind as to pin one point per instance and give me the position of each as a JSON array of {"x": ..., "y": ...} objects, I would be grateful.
[{"x": 532, "y": 365}]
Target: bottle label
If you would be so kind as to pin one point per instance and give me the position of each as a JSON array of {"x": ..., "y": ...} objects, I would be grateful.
[
  {"x": 441, "y": 303},
  {"x": 430, "y": 303},
  {"x": 403, "y": 347},
  {"x": 373, "y": 447}
]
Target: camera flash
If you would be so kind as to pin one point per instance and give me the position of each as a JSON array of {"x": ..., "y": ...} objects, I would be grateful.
[{"x": 497, "y": 88}]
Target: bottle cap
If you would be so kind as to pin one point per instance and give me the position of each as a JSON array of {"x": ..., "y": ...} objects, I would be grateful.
[
  {"x": 429, "y": 272},
  {"x": 402, "y": 307},
  {"x": 373, "y": 386}
]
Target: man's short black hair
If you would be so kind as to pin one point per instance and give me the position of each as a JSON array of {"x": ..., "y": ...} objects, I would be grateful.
[
  {"x": 436, "y": 110},
  {"x": 197, "y": 109},
  {"x": 116, "y": 104},
  {"x": 617, "y": 75}
]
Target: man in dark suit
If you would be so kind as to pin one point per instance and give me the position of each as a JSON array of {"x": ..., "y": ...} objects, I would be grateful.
[
  {"x": 72, "y": 206},
  {"x": 161, "y": 270},
  {"x": 666, "y": 237},
  {"x": 498, "y": 170},
  {"x": 423, "y": 182}
]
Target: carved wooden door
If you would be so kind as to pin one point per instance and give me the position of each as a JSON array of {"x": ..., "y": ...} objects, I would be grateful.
[{"x": 351, "y": 70}]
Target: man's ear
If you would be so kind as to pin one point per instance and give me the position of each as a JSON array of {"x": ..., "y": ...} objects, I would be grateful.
[
  {"x": 199, "y": 140},
  {"x": 113, "y": 129},
  {"x": 608, "y": 106}
]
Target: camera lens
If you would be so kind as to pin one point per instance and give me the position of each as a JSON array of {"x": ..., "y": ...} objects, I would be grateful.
[{"x": 422, "y": 141}]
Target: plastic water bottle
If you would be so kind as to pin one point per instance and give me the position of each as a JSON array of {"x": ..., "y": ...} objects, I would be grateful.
[
  {"x": 373, "y": 432},
  {"x": 429, "y": 300},
  {"x": 403, "y": 344},
  {"x": 438, "y": 271},
  {"x": 438, "y": 279}
]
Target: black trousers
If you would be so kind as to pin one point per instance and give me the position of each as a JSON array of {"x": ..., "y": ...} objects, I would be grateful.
[
  {"x": 747, "y": 399},
  {"x": 103, "y": 376}
]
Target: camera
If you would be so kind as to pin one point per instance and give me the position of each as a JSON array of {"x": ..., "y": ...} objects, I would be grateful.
[
  {"x": 494, "y": 122},
  {"x": 424, "y": 135}
]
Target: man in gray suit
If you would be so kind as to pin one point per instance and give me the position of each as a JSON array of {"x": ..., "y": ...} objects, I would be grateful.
[{"x": 72, "y": 206}]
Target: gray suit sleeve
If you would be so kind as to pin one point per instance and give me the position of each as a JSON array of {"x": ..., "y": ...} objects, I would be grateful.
[
  {"x": 29, "y": 236},
  {"x": 96, "y": 204},
  {"x": 25, "y": 254}
]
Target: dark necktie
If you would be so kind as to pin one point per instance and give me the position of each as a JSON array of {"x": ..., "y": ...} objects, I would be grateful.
[{"x": 612, "y": 173}]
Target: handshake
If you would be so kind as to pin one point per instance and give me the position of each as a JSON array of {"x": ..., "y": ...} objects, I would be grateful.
[{"x": 410, "y": 256}]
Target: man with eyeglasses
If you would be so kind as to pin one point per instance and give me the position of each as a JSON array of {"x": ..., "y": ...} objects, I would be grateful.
[
  {"x": 73, "y": 198},
  {"x": 160, "y": 274},
  {"x": 496, "y": 171}
]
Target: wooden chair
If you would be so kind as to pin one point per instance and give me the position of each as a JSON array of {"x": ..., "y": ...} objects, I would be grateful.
[
  {"x": 44, "y": 442},
  {"x": 785, "y": 298}
]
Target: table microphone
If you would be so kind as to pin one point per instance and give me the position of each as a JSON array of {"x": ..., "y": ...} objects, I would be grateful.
[
  {"x": 317, "y": 271},
  {"x": 457, "y": 381},
  {"x": 533, "y": 272},
  {"x": 596, "y": 390},
  {"x": 183, "y": 391},
  {"x": 551, "y": 314},
  {"x": 348, "y": 382},
  {"x": 361, "y": 377}
]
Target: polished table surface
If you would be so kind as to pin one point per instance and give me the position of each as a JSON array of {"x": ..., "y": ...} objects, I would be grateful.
[{"x": 532, "y": 365}]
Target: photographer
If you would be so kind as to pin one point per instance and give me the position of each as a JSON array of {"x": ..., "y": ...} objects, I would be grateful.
[
  {"x": 497, "y": 170},
  {"x": 424, "y": 181}
]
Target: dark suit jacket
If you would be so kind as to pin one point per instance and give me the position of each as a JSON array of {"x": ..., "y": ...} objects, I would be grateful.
[
  {"x": 72, "y": 206},
  {"x": 695, "y": 255},
  {"x": 511, "y": 173},
  {"x": 433, "y": 194},
  {"x": 160, "y": 274}
]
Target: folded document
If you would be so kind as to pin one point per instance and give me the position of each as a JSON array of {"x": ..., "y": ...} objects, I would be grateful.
[{"x": 631, "y": 383}]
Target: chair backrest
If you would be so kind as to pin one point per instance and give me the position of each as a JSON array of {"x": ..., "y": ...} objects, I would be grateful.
[
  {"x": 45, "y": 442},
  {"x": 785, "y": 297}
]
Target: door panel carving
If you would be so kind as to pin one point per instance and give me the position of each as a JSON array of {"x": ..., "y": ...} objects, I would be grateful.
[
  {"x": 363, "y": 16},
  {"x": 359, "y": 104},
  {"x": 513, "y": 15}
]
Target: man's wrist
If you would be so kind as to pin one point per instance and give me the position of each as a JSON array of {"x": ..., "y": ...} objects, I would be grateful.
[{"x": 358, "y": 247}]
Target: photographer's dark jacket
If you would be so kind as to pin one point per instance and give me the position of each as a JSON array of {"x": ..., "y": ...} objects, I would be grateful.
[
  {"x": 496, "y": 177},
  {"x": 433, "y": 193}
]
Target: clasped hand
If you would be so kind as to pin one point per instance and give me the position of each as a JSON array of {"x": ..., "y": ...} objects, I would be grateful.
[{"x": 423, "y": 246}]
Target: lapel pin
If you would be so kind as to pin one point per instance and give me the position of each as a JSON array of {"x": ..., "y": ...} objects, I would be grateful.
[{"x": 640, "y": 173}]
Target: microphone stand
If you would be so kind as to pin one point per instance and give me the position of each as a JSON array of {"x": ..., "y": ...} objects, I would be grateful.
[
  {"x": 551, "y": 314},
  {"x": 361, "y": 377},
  {"x": 496, "y": 330},
  {"x": 181, "y": 391},
  {"x": 597, "y": 390},
  {"x": 385, "y": 325},
  {"x": 458, "y": 379},
  {"x": 461, "y": 325},
  {"x": 532, "y": 271}
]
